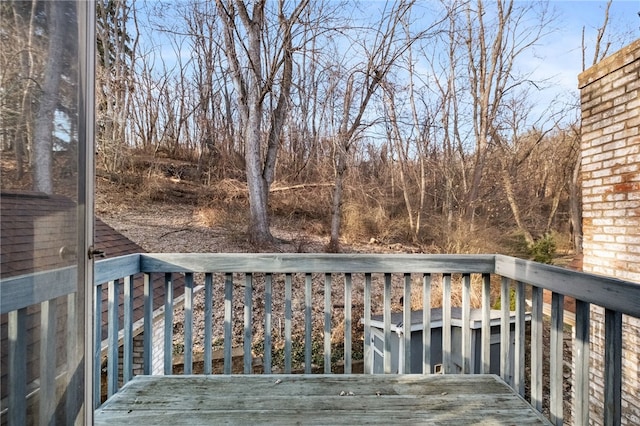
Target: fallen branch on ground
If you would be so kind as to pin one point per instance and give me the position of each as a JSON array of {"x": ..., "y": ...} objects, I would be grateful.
[{"x": 300, "y": 186}]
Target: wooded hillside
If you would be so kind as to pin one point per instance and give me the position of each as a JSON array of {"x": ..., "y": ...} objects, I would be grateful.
[{"x": 385, "y": 122}]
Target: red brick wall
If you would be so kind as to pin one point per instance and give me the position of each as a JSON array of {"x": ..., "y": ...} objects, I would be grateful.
[{"x": 610, "y": 102}]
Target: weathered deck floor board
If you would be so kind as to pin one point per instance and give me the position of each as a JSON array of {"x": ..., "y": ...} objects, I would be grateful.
[{"x": 316, "y": 399}]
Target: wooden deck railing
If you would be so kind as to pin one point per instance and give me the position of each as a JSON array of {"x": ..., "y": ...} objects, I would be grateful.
[
  {"x": 37, "y": 307},
  {"x": 290, "y": 281}
]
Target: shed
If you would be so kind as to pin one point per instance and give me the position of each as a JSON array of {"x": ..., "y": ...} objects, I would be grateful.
[{"x": 475, "y": 324}]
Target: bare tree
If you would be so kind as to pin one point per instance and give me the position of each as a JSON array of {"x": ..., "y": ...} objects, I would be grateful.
[
  {"x": 513, "y": 147},
  {"x": 446, "y": 88},
  {"x": 22, "y": 60},
  {"x": 144, "y": 117},
  {"x": 410, "y": 123},
  {"x": 23, "y": 135},
  {"x": 475, "y": 81},
  {"x": 214, "y": 112},
  {"x": 575, "y": 210},
  {"x": 575, "y": 198},
  {"x": 114, "y": 82},
  {"x": 256, "y": 76},
  {"x": 491, "y": 57},
  {"x": 43, "y": 133},
  {"x": 408, "y": 143},
  {"x": 381, "y": 47},
  {"x": 601, "y": 45}
]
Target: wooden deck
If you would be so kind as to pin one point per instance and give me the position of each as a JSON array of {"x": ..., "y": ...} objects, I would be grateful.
[{"x": 317, "y": 399}]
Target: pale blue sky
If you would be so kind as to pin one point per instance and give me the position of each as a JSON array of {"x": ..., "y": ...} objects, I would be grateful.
[
  {"x": 556, "y": 60},
  {"x": 559, "y": 58},
  {"x": 563, "y": 49}
]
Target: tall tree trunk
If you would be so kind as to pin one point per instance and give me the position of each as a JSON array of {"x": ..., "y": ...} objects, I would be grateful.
[
  {"x": 24, "y": 130},
  {"x": 259, "y": 232},
  {"x": 357, "y": 94},
  {"x": 513, "y": 204},
  {"x": 555, "y": 202},
  {"x": 253, "y": 84},
  {"x": 43, "y": 134},
  {"x": 575, "y": 210},
  {"x": 395, "y": 141},
  {"x": 258, "y": 188},
  {"x": 336, "y": 216},
  {"x": 250, "y": 94}
]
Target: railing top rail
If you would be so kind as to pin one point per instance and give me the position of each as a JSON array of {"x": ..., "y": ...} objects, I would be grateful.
[
  {"x": 25, "y": 290},
  {"x": 610, "y": 293},
  {"x": 312, "y": 262},
  {"x": 116, "y": 268}
]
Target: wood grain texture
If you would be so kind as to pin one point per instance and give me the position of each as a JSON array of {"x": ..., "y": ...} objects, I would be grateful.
[
  {"x": 115, "y": 268},
  {"x": 312, "y": 262},
  {"x": 17, "y": 367},
  {"x": 27, "y": 290},
  {"x": 610, "y": 293},
  {"x": 317, "y": 399}
]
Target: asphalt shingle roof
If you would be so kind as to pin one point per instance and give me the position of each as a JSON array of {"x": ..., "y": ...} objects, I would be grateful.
[{"x": 36, "y": 232}]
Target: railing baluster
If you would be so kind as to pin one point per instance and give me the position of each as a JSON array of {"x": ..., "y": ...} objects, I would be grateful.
[
  {"x": 97, "y": 341},
  {"x": 347, "y": 323},
  {"x": 75, "y": 355},
  {"x": 148, "y": 325},
  {"x": 505, "y": 331},
  {"x": 485, "y": 345},
  {"x": 537, "y": 345},
  {"x": 168, "y": 323},
  {"x": 581, "y": 364},
  {"x": 406, "y": 325},
  {"x": 112, "y": 333},
  {"x": 308, "y": 321},
  {"x": 447, "y": 363},
  {"x": 248, "y": 311},
  {"x": 287, "y": 324},
  {"x": 47, "y": 394},
  {"x": 208, "y": 322},
  {"x": 188, "y": 323},
  {"x": 327, "y": 323},
  {"x": 268, "y": 307},
  {"x": 368, "y": 362},
  {"x": 556, "y": 359},
  {"x": 466, "y": 329},
  {"x": 612, "y": 367},
  {"x": 387, "y": 323},
  {"x": 228, "y": 318},
  {"x": 17, "y": 371},
  {"x": 426, "y": 323},
  {"x": 127, "y": 348},
  {"x": 519, "y": 339}
]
